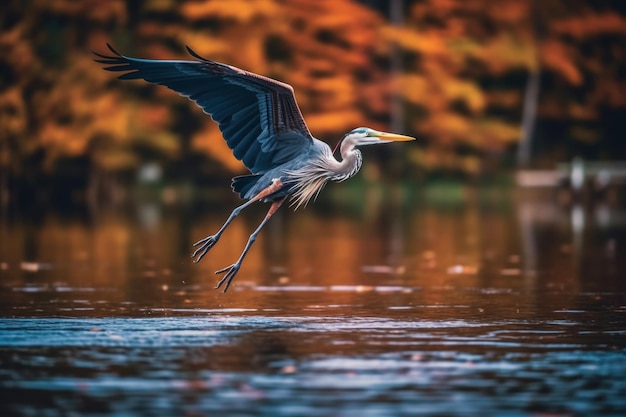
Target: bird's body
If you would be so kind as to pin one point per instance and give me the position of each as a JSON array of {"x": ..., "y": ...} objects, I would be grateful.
[
  {"x": 261, "y": 122},
  {"x": 290, "y": 173}
]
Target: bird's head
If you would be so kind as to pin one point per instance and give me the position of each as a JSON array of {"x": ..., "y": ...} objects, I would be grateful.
[{"x": 362, "y": 136}]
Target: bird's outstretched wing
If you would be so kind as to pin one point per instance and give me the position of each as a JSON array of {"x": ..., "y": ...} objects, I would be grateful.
[{"x": 258, "y": 116}]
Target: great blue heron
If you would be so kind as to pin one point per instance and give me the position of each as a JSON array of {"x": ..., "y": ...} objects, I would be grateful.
[{"x": 262, "y": 124}]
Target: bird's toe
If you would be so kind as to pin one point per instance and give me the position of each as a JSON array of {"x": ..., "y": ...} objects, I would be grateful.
[{"x": 230, "y": 271}]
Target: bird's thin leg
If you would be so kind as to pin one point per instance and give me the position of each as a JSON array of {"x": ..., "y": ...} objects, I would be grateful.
[
  {"x": 232, "y": 270},
  {"x": 208, "y": 242}
]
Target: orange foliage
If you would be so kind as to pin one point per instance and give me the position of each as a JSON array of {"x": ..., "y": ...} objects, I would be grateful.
[
  {"x": 557, "y": 56},
  {"x": 241, "y": 11},
  {"x": 591, "y": 25},
  {"x": 456, "y": 58},
  {"x": 95, "y": 11},
  {"x": 209, "y": 140},
  {"x": 13, "y": 117}
]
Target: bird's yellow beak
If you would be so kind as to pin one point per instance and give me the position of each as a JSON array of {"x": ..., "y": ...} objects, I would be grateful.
[{"x": 391, "y": 136}]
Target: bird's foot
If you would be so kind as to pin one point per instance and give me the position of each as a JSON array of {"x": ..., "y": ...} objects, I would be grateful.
[
  {"x": 231, "y": 271},
  {"x": 205, "y": 244}
]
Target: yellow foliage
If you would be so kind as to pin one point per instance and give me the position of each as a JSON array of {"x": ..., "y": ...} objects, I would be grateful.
[
  {"x": 470, "y": 164},
  {"x": 466, "y": 91},
  {"x": 205, "y": 44},
  {"x": 413, "y": 87},
  {"x": 333, "y": 122},
  {"x": 239, "y": 10},
  {"x": 491, "y": 133},
  {"x": 447, "y": 126},
  {"x": 115, "y": 159},
  {"x": 164, "y": 141},
  {"x": 417, "y": 41},
  {"x": 505, "y": 52},
  {"x": 92, "y": 10},
  {"x": 109, "y": 118},
  {"x": 336, "y": 54}
]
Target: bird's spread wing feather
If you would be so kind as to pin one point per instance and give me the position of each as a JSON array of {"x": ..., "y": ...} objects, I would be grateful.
[{"x": 258, "y": 116}]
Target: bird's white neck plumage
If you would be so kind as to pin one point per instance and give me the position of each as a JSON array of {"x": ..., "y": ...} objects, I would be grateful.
[{"x": 310, "y": 180}]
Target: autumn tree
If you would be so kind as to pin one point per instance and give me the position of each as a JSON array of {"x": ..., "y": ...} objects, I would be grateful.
[
  {"x": 584, "y": 99},
  {"x": 466, "y": 65},
  {"x": 328, "y": 50},
  {"x": 52, "y": 98}
]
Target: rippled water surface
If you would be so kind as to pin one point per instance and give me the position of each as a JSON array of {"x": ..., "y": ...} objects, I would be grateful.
[{"x": 498, "y": 308}]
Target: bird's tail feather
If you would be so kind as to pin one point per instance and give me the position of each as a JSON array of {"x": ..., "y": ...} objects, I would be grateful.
[{"x": 244, "y": 183}]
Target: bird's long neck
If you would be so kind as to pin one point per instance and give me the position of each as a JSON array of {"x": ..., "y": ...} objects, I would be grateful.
[
  {"x": 310, "y": 180},
  {"x": 348, "y": 166}
]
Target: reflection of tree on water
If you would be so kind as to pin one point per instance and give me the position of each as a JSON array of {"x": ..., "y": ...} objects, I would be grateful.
[
  {"x": 577, "y": 232},
  {"x": 400, "y": 240}
]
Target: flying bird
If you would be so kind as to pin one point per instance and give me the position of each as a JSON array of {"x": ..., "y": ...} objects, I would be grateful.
[{"x": 262, "y": 124}]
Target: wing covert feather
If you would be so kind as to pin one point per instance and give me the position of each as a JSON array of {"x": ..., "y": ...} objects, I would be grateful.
[{"x": 259, "y": 117}]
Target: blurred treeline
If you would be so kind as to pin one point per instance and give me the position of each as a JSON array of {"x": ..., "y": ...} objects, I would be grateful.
[{"x": 469, "y": 78}]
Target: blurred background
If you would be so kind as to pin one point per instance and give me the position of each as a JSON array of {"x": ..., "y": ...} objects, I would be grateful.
[
  {"x": 518, "y": 110},
  {"x": 487, "y": 90},
  {"x": 480, "y": 267}
]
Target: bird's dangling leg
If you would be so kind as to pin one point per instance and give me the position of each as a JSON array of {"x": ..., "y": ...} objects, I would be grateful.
[
  {"x": 210, "y": 241},
  {"x": 232, "y": 270}
]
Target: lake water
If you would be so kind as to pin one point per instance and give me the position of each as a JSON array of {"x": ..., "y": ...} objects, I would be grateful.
[{"x": 488, "y": 305}]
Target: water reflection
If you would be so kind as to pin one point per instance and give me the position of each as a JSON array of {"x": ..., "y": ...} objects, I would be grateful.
[
  {"x": 487, "y": 304},
  {"x": 142, "y": 256}
]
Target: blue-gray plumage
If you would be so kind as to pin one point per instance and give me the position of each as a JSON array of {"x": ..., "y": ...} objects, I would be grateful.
[{"x": 261, "y": 122}]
